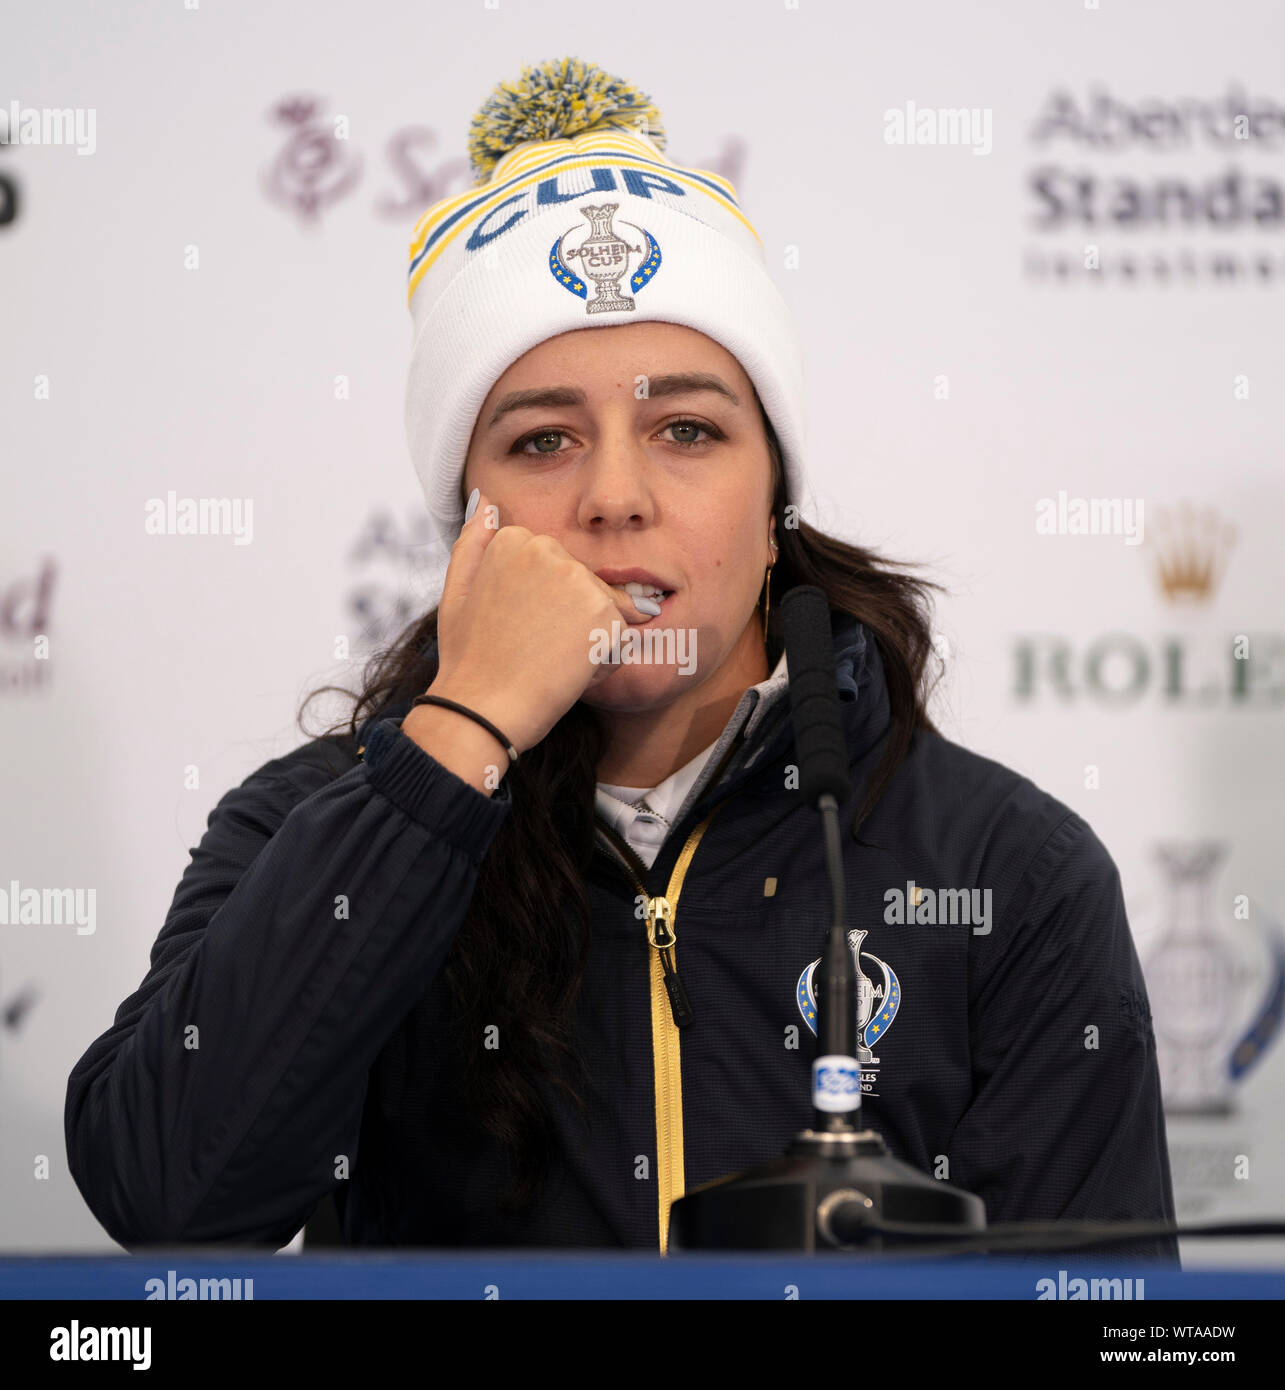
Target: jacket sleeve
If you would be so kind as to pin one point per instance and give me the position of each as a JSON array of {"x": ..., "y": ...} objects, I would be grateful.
[
  {"x": 218, "y": 1105},
  {"x": 1066, "y": 1119}
]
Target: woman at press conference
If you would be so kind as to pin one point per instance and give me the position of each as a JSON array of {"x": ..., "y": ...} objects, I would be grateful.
[{"x": 416, "y": 964}]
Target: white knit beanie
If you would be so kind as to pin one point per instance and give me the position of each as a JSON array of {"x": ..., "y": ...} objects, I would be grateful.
[{"x": 578, "y": 220}]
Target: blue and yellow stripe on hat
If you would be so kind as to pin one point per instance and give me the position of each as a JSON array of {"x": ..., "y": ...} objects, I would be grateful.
[{"x": 562, "y": 116}]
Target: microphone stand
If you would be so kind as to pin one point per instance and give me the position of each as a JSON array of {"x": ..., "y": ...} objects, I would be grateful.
[{"x": 834, "y": 1179}]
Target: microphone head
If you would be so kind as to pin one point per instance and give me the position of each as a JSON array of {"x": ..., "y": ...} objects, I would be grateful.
[{"x": 814, "y": 695}]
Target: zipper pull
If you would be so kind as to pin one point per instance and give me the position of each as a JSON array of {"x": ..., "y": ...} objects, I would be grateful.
[
  {"x": 660, "y": 933},
  {"x": 679, "y": 1004}
]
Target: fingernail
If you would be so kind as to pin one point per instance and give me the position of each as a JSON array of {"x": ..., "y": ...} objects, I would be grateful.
[
  {"x": 472, "y": 504},
  {"x": 647, "y": 605}
]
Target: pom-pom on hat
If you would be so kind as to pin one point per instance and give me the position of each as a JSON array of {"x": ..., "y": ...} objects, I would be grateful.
[{"x": 577, "y": 219}]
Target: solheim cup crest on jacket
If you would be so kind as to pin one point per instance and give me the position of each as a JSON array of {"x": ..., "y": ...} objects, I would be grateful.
[
  {"x": 604, "y": 256},
  {"x": 877, "y": 1003}
]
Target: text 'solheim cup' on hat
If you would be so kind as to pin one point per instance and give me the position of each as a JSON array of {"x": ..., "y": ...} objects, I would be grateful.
[{"x": 578, "y": 220}]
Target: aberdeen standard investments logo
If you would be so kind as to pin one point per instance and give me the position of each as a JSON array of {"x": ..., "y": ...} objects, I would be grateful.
[
  {"x": 395, "y": 569},
  {"x": 1156, "y": 189}
]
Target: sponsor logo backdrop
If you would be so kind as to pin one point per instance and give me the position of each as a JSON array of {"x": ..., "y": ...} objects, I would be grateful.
[{"x": 1036, "y": 258}]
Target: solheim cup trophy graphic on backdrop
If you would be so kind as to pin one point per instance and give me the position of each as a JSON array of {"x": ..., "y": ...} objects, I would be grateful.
[{"x": 1208, "y": 967}]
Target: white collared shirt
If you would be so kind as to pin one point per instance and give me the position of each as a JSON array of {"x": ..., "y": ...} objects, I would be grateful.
[{"x": 645, "y": 828}]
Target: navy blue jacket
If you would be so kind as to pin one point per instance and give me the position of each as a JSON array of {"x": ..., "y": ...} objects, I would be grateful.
[{"x": 1013, "y": 1057}]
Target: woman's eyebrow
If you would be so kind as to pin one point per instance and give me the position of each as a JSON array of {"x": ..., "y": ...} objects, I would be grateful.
[{"x": 672, "y": 384}]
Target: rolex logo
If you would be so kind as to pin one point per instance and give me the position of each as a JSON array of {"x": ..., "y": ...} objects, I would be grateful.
[{"x": 1190, "y": 547}]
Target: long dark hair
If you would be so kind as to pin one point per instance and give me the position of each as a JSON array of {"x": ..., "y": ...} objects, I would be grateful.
[{"x": 530, "y": 904}]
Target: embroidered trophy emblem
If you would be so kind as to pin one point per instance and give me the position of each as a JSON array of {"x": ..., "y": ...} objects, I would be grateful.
[
  {"x": 603, "y": 256},
  {"x": 877, "y": 1003}
]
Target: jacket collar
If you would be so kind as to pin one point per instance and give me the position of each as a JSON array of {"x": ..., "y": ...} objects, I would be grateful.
[
  {"x": 760, "y": 729},
  {"x": 765, "y": 730}
]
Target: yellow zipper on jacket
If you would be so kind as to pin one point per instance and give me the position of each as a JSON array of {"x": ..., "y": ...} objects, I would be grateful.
[{"x": 669, "y": 1010}]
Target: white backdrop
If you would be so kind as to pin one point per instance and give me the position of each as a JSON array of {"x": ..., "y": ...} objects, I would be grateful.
[{"x": 210, "y": 301}]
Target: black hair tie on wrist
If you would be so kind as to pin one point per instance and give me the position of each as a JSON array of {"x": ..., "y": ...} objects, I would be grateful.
[{"x": 472, "y": 714}]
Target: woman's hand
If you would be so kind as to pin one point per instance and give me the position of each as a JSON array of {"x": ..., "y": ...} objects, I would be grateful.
[{"x": 515, "y": 625}]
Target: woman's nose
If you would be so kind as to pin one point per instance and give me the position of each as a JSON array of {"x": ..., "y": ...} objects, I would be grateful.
[{"x": 616, "y": 488}]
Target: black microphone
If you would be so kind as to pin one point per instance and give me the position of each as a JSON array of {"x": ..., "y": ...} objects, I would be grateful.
[
  {"x": 824, "y": 782},
  {"x": 814, "y": 694}
]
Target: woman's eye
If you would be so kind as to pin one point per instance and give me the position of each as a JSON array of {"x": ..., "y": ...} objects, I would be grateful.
[
  {"x": 539, "y": 437},
  {"x": 688, "y": 429}
]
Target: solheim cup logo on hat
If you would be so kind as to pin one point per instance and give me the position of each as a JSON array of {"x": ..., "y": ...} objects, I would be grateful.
[
  {"x": 604, "y": 256},
  {"x": 877, "y": 1005}
]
